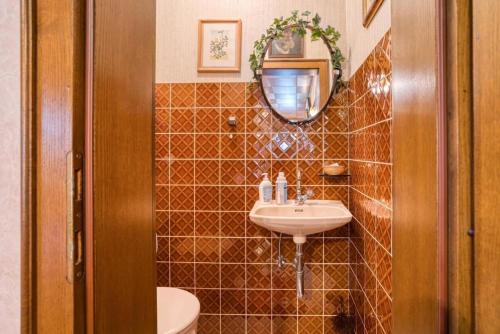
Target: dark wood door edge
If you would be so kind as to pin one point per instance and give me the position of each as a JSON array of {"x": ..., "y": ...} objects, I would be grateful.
[{"x": 28, "y": 164}]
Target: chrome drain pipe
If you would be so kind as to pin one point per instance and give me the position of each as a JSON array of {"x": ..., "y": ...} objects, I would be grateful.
[{"x": 299, "y": 270}]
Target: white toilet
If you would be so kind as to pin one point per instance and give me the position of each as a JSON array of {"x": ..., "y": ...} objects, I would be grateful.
[{"x": 178, "y": 311}]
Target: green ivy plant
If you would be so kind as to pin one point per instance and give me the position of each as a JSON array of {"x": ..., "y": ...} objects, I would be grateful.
[{"x": 299, "y": 24}]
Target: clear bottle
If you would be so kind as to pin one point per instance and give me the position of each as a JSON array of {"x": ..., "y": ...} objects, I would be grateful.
[
  {"x": 265, "y": 190},
  {"x": 281, "y": 189}
]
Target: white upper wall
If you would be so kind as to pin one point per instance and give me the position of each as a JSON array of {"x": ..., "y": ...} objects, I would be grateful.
[
  {"x": 10, "y": 167},
  {"x": 177, "y": 31},
  {"x": 361, "y": 40}
]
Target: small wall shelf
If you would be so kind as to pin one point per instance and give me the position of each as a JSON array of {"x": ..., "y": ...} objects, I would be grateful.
[{"x": 333, "y": 176}]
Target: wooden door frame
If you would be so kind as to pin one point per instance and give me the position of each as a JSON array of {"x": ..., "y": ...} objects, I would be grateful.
[
  {"x": 28, "y": 164},
  {"x": 29, "y": 146}
]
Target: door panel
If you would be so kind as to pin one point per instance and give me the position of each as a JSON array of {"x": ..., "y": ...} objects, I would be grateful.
[
  {"x": 59, "y": 292},
  {"x": 123, "y": 221},
  {"x": 486, "y": 139}
]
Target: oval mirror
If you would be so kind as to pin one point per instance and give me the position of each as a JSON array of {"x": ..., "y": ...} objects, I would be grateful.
[{"x": 297, "y": 78}]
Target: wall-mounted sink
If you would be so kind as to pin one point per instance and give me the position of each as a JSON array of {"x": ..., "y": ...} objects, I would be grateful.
[{"x": 314, "y": 216}]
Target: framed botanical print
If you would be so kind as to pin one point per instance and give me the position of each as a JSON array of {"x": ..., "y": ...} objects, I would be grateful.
[
  {"x": 370, "y": 8},
  {"x": 291, "y": 45},
  {"x": 219, "y": 46}
]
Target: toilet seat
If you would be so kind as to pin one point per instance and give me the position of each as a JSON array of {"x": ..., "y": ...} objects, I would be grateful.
[{"x": 177, "y": 311}]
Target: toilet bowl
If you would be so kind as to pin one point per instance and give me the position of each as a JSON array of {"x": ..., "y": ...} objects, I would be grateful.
[{"x": 177, "y": 311}]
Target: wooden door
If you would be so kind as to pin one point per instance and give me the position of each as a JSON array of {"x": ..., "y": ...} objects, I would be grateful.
[
  {"x": 58, "y": 292},
  {"x": 123, "y": 54},
  {"x": 486, "y": 162}
]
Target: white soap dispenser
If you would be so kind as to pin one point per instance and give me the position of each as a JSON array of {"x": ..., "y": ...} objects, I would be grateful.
[
  {"x": 281, "y": 189},
  {"x": 265, "y": 190}
]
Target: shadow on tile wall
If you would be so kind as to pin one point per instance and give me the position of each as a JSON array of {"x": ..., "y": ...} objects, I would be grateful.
[{"x": 206, "y": 182}]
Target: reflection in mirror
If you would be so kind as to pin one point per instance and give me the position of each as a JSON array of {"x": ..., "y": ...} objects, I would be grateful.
[
  {"x": 298, "y": 84},
  {"x": 294, "y": 92}
]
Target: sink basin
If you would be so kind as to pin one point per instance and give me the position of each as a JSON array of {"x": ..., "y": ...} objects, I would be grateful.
[{"x": 314, "y": 216}]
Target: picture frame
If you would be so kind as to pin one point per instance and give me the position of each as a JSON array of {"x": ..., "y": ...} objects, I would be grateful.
[
  {"x": 370, "y": 8},
  {"x": 219, "y": 46},
  {"x": 290, "y": 46}
]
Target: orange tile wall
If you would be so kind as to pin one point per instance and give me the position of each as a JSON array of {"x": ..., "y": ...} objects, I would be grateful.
[
  {"x": 370, "y": 191},
  {"x": 206, "y": 182}
]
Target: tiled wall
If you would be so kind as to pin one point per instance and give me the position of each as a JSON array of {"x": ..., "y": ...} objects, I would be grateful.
[
  {"x": 370, "y": 192},
  {"x": 206, "y": 183}
]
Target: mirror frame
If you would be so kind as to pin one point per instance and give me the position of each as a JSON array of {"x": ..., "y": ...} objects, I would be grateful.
[{"x": 337, "y": 74}]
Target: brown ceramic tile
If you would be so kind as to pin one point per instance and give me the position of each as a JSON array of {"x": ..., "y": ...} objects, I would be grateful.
[
  {"x": 255, "y": 169},
  {"x": 182, "y": 146},
  {"x": 233, "y": 224},
  {"x": 310, "y": 324},
  {"x": 313, "y": 276},
  {"x": 207, "y": 198},
  {"x": 182, "y": 120},
  {"x": 258, "y": 276},
  {"x": 383, "y": 231},
  {"x": 258, "y": 250},
  {"x": 310, "y": 146},
  {"x": 233, "y": 250},
  {"x": 162, "y": 95},
  {"x": 341, "y": 98},
  {"x": 258, "y": 146},
  {"x": 207, "y": 224},
  {"x": 233, "y": 276},
  {"x": 258, "y": 120},
  {"x": 162, "y": 274},
  {"x": 232, "y": 146},
  {"x": 182, "y": 198},
  {"x": 206, "y": 172},
  {"x": 209, "y": 324},
  {"x": 254, "y": 96},
  {"x": 384, "y": 178},
  {"x": 383, "y": 140},
  {"x": 311, "y": 169},
  {"x": 207, "y": 146},
  {"x": 336, "y": 251},
  {"x": 207, "y": 249},
  {"x": 384, "y": 310},
  {"x": 284, "y": 324},
  {"x": 337, "y": 193},
  {"x": 283, "y": 278},
  {"x": 284, "y": 302},
  {"x": 233, "y": 301},
  {"x": 258, "y": 302},
  {"x": 182, "y": 275},
  {"x": 336, "y": 276},
  {"x": 208, "y": 95},
  {"x": 336, "y": 119},
  {"x": 233, "y": 324},
  {"x": 182, "y": 95},
  {"x": 181, "y": 172},
  {"x": 162, "y": 172},
  {"x": 232, "y": 198},
  {"x": 207, "y": 120},
  {"x": 252, "y": 196},
  {"x": 289, "y": 167},
  {"x": 181, "y": 223},
  {"x": 284, "y": 145},
  {"x": 335, "y": 146},
  {"x": 162, "y": 223},
  {"x": 181, "y": 249},
  {"x": 162, "y": 120},
  {"x": 162, "y": 146},
  {"x": 162, "y": 198},
  {"x": 162, "y": 254},
  {"x": 233, "y": 94},
  {"x": 233, "y": 172},
  {"x": 311, "y": 303},
  {"x": 313, "y": 251},
  {"x": 259, "y": 324},
  {"x": 207, "y": 275},
  {"x": 209, "y": 300},
  {"x": 384, "y": 269}
]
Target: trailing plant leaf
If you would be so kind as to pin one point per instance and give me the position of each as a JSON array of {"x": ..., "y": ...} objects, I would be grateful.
[{"x": 297, "y": 24}]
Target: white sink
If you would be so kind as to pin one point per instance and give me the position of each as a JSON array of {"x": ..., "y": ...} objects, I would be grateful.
[{"x": 314, "y": 216}]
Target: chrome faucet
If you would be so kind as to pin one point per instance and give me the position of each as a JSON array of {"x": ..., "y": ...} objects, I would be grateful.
[{"x": 301, "y": 198}]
